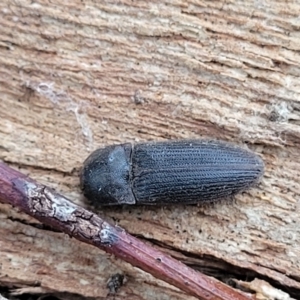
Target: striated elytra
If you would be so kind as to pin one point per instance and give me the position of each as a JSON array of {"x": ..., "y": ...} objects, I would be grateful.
[{"x": 158, "y": 173}]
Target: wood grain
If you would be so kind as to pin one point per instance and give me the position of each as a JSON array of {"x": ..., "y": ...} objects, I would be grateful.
[{"x": 84, "y": 74}]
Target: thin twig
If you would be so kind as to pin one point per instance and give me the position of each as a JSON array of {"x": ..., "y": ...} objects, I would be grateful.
[{"x": 53, "y": 209}]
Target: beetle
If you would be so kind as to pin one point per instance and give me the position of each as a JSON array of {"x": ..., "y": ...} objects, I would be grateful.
[{"x": 171, "y": 172}]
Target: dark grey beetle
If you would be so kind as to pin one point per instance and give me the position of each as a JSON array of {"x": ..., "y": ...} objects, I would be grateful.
[{"x": 158, "y": 173}]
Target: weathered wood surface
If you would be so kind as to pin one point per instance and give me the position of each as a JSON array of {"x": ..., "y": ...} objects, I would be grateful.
[{"x": 77, "y": 76}]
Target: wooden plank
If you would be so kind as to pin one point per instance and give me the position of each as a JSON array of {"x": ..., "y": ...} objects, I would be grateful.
[{"x": 77, "y": 76}]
